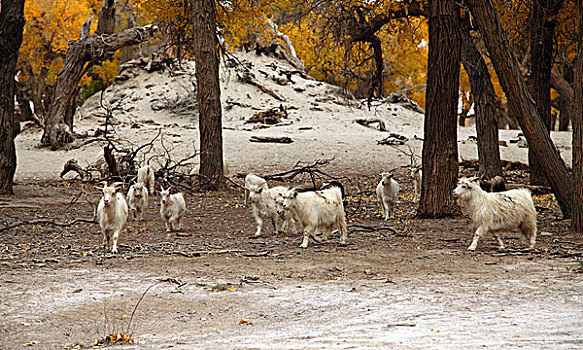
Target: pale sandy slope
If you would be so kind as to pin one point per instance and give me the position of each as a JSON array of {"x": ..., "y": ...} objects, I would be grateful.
[{"x": 319, "y": 106}]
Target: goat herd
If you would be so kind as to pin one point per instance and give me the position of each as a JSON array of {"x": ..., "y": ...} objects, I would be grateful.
[{"x": 318, "y": 210}]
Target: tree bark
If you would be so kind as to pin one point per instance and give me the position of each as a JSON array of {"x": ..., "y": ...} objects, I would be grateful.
[
  {"x": 566, "y": 99},
  {"x": 542, "y": 31},
  {"x": 485, "y": 105},
  {"x": 11, "y": 28},
  {"x": 106, "y": 22},
  {"x": 208, "y": 96},
  {"x": 577, "y": 210},
  {"x": 59, "y": 124},
  {"x": 510, "y": 77},
  {"x": 440, "y": 153}
]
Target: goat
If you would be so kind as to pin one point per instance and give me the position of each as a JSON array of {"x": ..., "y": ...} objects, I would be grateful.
[
  {"x": 499, "y": 211},
  {"x": 172, "y": 208},
  {"x": 112, "y": 213},
  {"x": 263, "y": 202},
  {"x": 147, "y": 178},
  {"x": 252, "y": 180},
  {"x": 319, "y": 210},
  {"x": 138, "y": 200},
  {"x": 387, "y": 193}
]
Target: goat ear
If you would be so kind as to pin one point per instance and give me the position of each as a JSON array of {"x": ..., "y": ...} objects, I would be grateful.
[{"x": 295, "y": 194}]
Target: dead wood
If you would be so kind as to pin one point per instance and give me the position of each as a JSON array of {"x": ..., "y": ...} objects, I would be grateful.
[
  {"x": 270, "y": 116},
  {"x": 367, "y": 122},
  {"x": 59, "y": 126},
  {"x": 393, "y": 139},
  {"x": 569, "y": 242},
  {"x": 249, "y": 78},
  {"x": 377, "y": 229},
  {"x": 73, "y": 165},
  {"x": 271, "y": 139}
]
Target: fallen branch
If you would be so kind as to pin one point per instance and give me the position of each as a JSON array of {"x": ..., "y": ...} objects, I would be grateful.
[
  {"x": 271, "y": 139},
  {"x": 379, "y": 229},
  {"x": 73, "y": 165},
  {"x": 568, "y": 242},
  {"x": 270, "y": 116},
  {"x": 393, "y": 139},
  {"x": 368, "y": 122},
  {"x": 249, "y": 78}
]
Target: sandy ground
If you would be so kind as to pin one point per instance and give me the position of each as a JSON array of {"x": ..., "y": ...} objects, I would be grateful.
[{"x": 418, "y": 289}]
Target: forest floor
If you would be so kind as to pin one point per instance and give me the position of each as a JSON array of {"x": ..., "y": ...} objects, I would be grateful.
[
  {"x": 417, "y": 287},
  {"x": 405, "y": 283}
]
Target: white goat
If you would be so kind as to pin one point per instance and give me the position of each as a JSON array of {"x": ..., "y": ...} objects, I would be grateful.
[
  {"x": 112, "y": 213},
  {"x": 387, "y": 193},
  {"x": 172, "y": 208},
  {"x": 146, "y": 177},
  {"x": 317, "y": 211},
  {"x": 265, "y": 208},
  {"x": 252, "y": 180},
  {"x": 138, "y": 200},
  {"x": 498, "y": 211},
  {"x": 416, "y": 176}
]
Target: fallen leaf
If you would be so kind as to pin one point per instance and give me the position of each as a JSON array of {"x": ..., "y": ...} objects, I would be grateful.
[
  {"x": 243, "y": 320},
  {"x": 232, "y": 289},
  {"x": 25, "y": 323}
]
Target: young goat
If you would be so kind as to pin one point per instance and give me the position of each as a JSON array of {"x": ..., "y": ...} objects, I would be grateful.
[
  {"x": 172, "y": 208},
  {"x": 264, "y": 206},
  {"x": 112, "y": 213},
  {"x": 499, "y": 211},
  {"x": 317, "y": 211},
  {"x": 252, "y": 180},
  {"x": 138, "y": 200},
  {"x": 147, "y": 178},
  {"x": 387, "y": 193}
]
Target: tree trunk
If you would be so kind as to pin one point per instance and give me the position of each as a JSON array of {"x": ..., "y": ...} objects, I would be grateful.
[
  {"x": 106, "y": 22},
  {"x": 577, "y": 211},
  {"x": 542, "y": 31},
  {"x": 11, "y": 28},
  {"x": 510, "y": 77},
  {"x": 485, "y": 105},
  {"x": 378, "y": 81},
  {"x": 566, "y": 99},
  {"x": 59, "y": 123},
  {"x": 208, "y": 93},
  {"x": 440, "y": 153}
]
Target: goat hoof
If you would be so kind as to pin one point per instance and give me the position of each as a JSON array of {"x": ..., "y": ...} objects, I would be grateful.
[{"x": 470, "y": 248}]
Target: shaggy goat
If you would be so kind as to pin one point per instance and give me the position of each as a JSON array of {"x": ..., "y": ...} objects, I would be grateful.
[
  {"x": 172, "y": 208},
  {"x": 265, "y": 208},
  {"x": 252, "y": 180},
  {"x": 138, "y": 200},
  {"x": 499, "y": 211},
  {"x": 112, "y": 213},
  {"x": 317, "y": 211},
  {"x": 147, "y": 178},
  {"x": 387, "y": 193}
]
